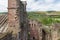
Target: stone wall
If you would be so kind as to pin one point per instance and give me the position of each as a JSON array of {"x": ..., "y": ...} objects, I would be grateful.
[
  {"x": 6, "y": 36},
  {"x": 35, "y": 29},
  {"x": 39, "y": 32},
  {"x": 17, "y": 19}
]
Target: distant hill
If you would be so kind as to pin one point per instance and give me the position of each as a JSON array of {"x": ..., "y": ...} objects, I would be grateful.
[
  {"x": 42, "y": 12},
  {"x": 48, "y": 12},
  {"x": 3, "y": 12}
]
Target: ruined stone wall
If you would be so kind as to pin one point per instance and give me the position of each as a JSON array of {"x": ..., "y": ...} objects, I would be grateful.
[
  {"x": 17, "y": 19},
  {"x": 6, "y": 36},
  {"x": 23, "y": 20},
  {"x": 38, "y": 32},
  {"x": 55, "y": 33},
  {"x": 35, "y": 30},
  {"x": 12, "y": 16}
]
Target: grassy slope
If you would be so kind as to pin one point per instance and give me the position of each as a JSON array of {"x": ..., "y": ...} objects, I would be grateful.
[{"x": 40, "y": 16}]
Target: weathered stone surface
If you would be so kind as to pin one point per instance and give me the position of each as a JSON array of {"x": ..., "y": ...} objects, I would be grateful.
[
  {"x": 35, "y": 29},
  {"x": 17, "y": 19},
  {"x": 18, "y": 25}
]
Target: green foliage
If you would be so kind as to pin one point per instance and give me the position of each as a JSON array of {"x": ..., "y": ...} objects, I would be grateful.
[{"x": 46, "y": 20}]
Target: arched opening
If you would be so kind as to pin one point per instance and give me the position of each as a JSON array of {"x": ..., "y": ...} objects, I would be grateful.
[
  {"x": 34, "y": 38},
  {"x": 43, "y": 35}
]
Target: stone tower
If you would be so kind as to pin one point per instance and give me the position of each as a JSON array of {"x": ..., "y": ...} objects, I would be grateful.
[{"x": 17, "y": 19}]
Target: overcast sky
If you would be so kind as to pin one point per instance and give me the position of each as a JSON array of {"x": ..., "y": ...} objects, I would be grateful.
[{"x": 35, "y": 5}]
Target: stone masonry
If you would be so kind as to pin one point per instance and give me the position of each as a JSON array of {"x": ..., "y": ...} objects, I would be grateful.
[
  {"x": 20, "y": 28},
  {"x": 39, "y": 32},
  {"x": 17, "y": 20},
  {"x": 35, "y": 29}
]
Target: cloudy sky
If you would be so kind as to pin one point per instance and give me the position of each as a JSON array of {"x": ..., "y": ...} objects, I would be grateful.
[{"x": 35, "y": 5}]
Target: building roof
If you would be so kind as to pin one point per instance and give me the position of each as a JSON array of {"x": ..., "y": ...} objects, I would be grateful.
[{"x": 3, "y": 23}]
